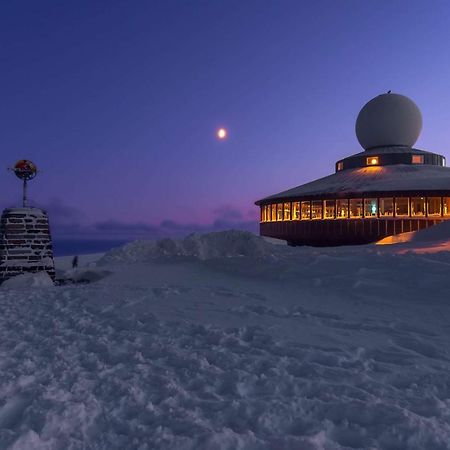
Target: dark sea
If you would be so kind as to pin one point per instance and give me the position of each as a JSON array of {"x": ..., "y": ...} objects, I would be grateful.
[{"x": 63, "y": 247}]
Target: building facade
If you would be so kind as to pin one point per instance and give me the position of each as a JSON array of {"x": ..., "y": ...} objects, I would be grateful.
[{"x": 389, "y": 188}]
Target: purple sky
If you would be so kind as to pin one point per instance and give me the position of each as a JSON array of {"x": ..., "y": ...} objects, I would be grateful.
[{"x": 118, "y": 101}]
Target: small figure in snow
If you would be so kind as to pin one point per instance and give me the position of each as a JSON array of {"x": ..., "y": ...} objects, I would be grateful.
[{"x": 75, "y": 262}]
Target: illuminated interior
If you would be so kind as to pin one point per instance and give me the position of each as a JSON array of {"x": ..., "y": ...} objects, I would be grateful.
[
  {"x": 417, "y": 159},
  {"x": 296, "y": 211},
  {"x": 306, "y": 210},
  {"x": 328, "y": 209},
  {"x": 316, "y": 209},
  {"x": 342, "y": 209},
  {"x": 402, "y": 206},
  {"x": 386, "y": 207},
  {"x": 356, "y": 208}
]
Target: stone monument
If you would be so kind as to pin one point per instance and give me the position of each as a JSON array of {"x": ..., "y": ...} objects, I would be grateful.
[{"x": 25, "y": 239}]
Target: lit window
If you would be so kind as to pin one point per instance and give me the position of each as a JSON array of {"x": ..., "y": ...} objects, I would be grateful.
[
  {"x": 372, "y": 160},
  {"x": 402, "y": 206},
  {"x": 342, "y": 209},
  {"x": 274, "y": 213},
  {"x": 443, "y": 162},
  {"x": 434, "y": 206},
  {"x": 417, "y": 206},
  {"x": 328, "y": 209},
  {"x": 446, "y": 206},
  {"x": 296, "y": 211},
  {"x": 263, "y": 214},
  {"x": 280, "y": 211},
  {"x": 340, "y": 165},
  {"x": 386, "y": 207},
  {"x": 356, "y": 207},
  {"x": 287, "y": 211},
  {"x": 316, "y": 209},
  {"x": 306, "y": 210},
  {"x": 370, "y": 207},
  {"x": 417, "y": 159}
]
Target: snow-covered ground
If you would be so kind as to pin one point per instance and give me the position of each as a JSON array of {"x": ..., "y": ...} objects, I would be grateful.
[{"x": 226, "y": 341}]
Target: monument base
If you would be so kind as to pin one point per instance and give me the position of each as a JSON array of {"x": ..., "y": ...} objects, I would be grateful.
[{"x": 25, "y": 242}]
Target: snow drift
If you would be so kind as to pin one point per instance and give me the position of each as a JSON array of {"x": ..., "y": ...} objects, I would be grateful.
[
  {"x": 28, "y": 280},
  {"x": 202, "y": 246},
  {"x": 319, "y": 349}
]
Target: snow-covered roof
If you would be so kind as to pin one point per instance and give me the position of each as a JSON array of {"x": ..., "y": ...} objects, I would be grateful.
[{"x": 400, "y": 177}]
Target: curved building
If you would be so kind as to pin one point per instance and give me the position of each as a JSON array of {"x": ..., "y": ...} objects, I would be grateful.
[{"x": 389, "y": 188}]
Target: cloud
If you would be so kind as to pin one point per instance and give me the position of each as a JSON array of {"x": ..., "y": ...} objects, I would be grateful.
[
  {"x": 62, "y": 214},
  {"x": 120, "y": 227},
  {"x": 66, "y": 221},
  {"x": 227, "y": 212}
]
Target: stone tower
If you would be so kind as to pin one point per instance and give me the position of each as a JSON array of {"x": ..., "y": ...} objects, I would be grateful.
[{"x": 25, "y": 242}]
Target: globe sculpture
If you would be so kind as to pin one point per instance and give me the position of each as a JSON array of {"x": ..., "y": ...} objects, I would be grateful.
[{"x": 25, "y": 170}]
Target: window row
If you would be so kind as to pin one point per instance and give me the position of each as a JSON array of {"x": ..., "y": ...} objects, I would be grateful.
[
  {"x": 357, "y": 208},
  {"x": 375, "y": 161}
]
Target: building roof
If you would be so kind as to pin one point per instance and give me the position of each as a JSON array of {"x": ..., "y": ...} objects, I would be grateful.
[
  {"x": 393, "y": 178},
  {"x": 392, "y": 149}
]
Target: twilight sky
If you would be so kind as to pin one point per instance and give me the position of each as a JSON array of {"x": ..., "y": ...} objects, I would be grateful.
[{"x": 117, "y": 101}]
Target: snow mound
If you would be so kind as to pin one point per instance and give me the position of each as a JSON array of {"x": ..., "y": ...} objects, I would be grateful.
[
  {"x": 440, "y": 232},
  {"x": 438, "y": 236},
  {"x": 83, "y": 275},
  {"x": 28, "y": 280},
  {"x": 222, "y": 244}
]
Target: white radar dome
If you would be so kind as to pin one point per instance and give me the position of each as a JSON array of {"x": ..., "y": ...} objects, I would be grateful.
[{"x": 389, "y": 119}]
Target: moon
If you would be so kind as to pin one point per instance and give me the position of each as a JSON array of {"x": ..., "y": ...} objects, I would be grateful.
[{"x": 222, "y": 133}]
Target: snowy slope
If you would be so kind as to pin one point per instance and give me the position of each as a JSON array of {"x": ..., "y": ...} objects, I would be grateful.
[{"x": 225, "y": 341}]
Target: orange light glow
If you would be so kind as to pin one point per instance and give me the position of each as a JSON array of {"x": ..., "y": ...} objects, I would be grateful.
[
  {"x": 397, "y": 238},
  {"x": 222, "y": 133},
  {"x": 372, "y": 161}
]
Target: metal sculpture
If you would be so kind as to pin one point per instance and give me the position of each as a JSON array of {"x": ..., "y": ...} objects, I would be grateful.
[{"x": 25, "y": 170}]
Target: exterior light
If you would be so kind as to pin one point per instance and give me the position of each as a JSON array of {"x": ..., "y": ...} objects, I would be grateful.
[{"x": 373, "y": 161}]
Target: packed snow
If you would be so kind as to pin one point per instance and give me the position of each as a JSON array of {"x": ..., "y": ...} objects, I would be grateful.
[{"x": 226, "y": 341}]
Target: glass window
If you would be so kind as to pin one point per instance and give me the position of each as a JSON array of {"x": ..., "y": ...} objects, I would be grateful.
[
  {"x": 280, "y": 211},
  {"x": 296, "y": 211},
  {"x": 316, "y": 209},
  {"x": 268, "y": 213},
  {"x": 434, "y": 206},
  {"x": 417, "y": 206},
  {"x": 342, "y": 209},
  {"x": 402, "y": 206},
  {"x": 340, "y": 165},
  {"x": 356, "y": 207},
  {"x": 274, "y": 213},
  {"x": 370, "y": 207},
  {"x": 386, "y": 206},
  {"x": 417, "y": 159},
  {"x": 328, "y": 209},
  {"x": 446, "y": 206},
  {"x": 306, "y": 210},
  {"x": 287, "y": 211},
  {"x": 372, "y": 160},
  {"x": 263, "y": 214}
]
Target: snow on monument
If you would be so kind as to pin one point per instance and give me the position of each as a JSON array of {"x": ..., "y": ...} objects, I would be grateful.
[
  {"x": 25, "y": 240},
  {"x": 388, "y": 189}
]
